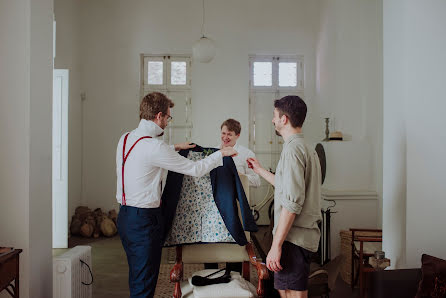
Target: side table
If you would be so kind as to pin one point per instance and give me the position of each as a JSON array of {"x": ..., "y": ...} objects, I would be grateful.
[{"x": 9, "y": 270}]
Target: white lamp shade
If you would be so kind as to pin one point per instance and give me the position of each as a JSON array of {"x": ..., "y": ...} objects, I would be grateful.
[{"x": 204, "y": 50}]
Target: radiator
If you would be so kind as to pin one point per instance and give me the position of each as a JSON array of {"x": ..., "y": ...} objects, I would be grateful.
[
  {"x": 72, "y": 275},
  {"x": 324, "y": 251}
]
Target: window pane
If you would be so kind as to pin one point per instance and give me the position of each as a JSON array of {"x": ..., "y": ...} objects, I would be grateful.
[
  {"x": 178, "y": 73},
  {"x": 287, "y": 74},
  {"x": 155, "y": 73},
  {"x": 263, "y": 73}
]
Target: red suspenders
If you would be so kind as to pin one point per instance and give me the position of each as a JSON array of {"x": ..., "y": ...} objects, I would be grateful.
[{"x": 124, "y": 159}]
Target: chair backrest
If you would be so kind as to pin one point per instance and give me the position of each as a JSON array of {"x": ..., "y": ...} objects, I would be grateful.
[{"x": 218, "y": 252}]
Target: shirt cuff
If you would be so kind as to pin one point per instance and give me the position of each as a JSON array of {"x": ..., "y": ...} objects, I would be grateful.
[
  {"x": 172, "y": 147},
  {"x": 217, "y": 157},
  {"x": 291, "y": 206}
]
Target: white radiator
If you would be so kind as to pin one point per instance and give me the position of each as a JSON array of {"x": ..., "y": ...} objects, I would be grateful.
[{"x": 72, "y": 275}]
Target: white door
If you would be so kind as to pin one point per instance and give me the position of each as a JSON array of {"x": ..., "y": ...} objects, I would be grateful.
[{"x": 60, "y": 158}]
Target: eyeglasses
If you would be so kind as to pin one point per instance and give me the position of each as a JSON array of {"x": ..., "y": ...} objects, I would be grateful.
[{"x": 169, "y": 118}]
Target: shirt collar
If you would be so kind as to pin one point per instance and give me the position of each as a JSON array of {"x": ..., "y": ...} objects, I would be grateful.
[
  {"x": 294, "y": 136},
  {"x": 236, "y": 146},
  {"x": 148, "y": 128}
]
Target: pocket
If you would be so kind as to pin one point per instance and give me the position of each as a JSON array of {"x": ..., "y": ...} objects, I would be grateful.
[
  {"x": 306, "y": 254},
  {"x": 150, "y": 219}
]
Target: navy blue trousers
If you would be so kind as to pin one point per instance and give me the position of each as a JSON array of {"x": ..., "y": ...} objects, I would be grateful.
[{"x": 141, "y": 232}]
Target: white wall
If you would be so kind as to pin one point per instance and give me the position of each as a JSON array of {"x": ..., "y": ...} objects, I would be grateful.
[
  {"x": 394, "y": 134},
  {"x": 25, "y": 155},
  {"x": 67, "y": 14},
  {"x": 349, "y": 91},
  {"x": 113, "y": 34},
  {"x": 417, "y": 125},
  {"x": 14, "y": 119}
]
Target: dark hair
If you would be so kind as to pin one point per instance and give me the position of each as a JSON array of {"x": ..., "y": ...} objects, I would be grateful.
[
  {"x": 293, "y": 107},
  {"x": 232, "y": 125},
  {"x": 152, "y": 104}
]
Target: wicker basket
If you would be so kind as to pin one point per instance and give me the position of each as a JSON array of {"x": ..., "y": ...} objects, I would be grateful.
[{"x": 346, "y": 251}]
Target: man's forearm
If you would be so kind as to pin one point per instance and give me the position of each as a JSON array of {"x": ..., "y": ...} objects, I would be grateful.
[
  {"x": 283, "y": 227},
  {"x": 267, "y": 175}
]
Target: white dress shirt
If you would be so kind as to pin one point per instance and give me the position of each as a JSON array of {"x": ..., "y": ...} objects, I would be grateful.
[
  {"x": 148, "y": 163},
  {"x": 242, "y": 166}
]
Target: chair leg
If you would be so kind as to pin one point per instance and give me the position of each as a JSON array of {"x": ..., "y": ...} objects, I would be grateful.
[
  {"x": 177, "y": 292},
  {"x": 352, "y": 278},
  {"x": 176, "y": 274},
  {"x": 361, "y": 273},
  {"x": 262, "y": 271},
  {"x": 246, "y": 271}
]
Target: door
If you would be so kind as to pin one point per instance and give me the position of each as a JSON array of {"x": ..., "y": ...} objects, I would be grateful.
[
  {"x": 60, "y": 158},
  {"x": 271, "y": 77}
]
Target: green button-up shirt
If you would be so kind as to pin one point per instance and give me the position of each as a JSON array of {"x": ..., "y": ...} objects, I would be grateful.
[{"x": 298, "y": 189}]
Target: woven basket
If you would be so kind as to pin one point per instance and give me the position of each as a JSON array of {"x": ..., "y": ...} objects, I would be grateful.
[{"x": 346, "y": 251}]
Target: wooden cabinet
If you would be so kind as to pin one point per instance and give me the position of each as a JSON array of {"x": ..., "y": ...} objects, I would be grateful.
[{"x": 9, "y": 271}]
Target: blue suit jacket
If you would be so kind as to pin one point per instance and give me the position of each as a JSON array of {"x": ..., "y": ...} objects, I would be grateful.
[{"x": 226, "y": 187}]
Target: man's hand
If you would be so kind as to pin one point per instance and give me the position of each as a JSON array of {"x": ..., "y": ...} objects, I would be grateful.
[
  {"x": 182, "y": 146},
  {"x": 273, "y": 258},
  {"x": 228, "y": 151},
  {"x": 254, "y": 164}
]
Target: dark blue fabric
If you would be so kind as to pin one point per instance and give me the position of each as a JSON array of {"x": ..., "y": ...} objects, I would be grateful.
[
  {"x": 226, "y": 188},
  {"x": 141, "y": 233}
]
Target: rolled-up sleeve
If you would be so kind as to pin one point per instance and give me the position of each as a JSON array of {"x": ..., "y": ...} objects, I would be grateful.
[
  {"x": 169, "y": 159},
  {"x": 293, "y": 182}
]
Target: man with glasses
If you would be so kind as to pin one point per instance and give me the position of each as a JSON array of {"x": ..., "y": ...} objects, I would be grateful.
[{"x": 141, "y": 162}]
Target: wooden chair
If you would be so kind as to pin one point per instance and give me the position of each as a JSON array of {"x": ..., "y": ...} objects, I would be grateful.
[
  {"x": 364, "y": 244},
  {"x": 220, "y": 252}
]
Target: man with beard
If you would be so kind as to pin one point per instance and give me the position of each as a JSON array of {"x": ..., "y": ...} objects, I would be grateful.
[
  {"x": 297, "y": 210},
  {"x": 141, "y": 162}
]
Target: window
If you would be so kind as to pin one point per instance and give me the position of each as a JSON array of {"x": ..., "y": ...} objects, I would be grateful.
[
  {"x": 155, "y": 73},
  {"x": 277, "y": 72},
  {"x": 170, "y": 74},
  {"x": 166, "y": 72},
  {"x": 263, "y": 73}
]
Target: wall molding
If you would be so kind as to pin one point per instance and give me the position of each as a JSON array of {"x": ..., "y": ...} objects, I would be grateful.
[{"x": 330, "y": 194}]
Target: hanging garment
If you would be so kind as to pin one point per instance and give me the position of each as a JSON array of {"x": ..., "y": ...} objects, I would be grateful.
[{"x": 197, "y": 219}]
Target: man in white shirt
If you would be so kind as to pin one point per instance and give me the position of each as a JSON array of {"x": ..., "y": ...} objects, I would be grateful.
[
  {"x": 230, "y": 133},
  {"x": 141, "y": 162}
]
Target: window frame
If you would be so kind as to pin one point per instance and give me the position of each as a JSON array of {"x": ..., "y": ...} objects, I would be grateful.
[
  {"x": 167, "y": 66},
  {"x": 275, "y": 60}
]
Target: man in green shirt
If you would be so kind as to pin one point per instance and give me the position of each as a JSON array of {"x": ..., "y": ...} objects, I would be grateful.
[{"x": 297, "y": 210}]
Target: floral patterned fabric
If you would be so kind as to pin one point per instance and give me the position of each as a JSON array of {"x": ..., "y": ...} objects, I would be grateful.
[{"x": 197, "y": 218}]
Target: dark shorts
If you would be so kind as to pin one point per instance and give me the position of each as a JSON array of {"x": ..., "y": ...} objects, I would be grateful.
[{"x": 295, "y": 262}]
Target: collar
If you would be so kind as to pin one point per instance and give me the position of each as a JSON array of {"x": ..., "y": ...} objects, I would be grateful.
[
  {"x": 294, "y": 136},
  {"x": 148, "y": 128},
  {"x": 236, "y": 146}
]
